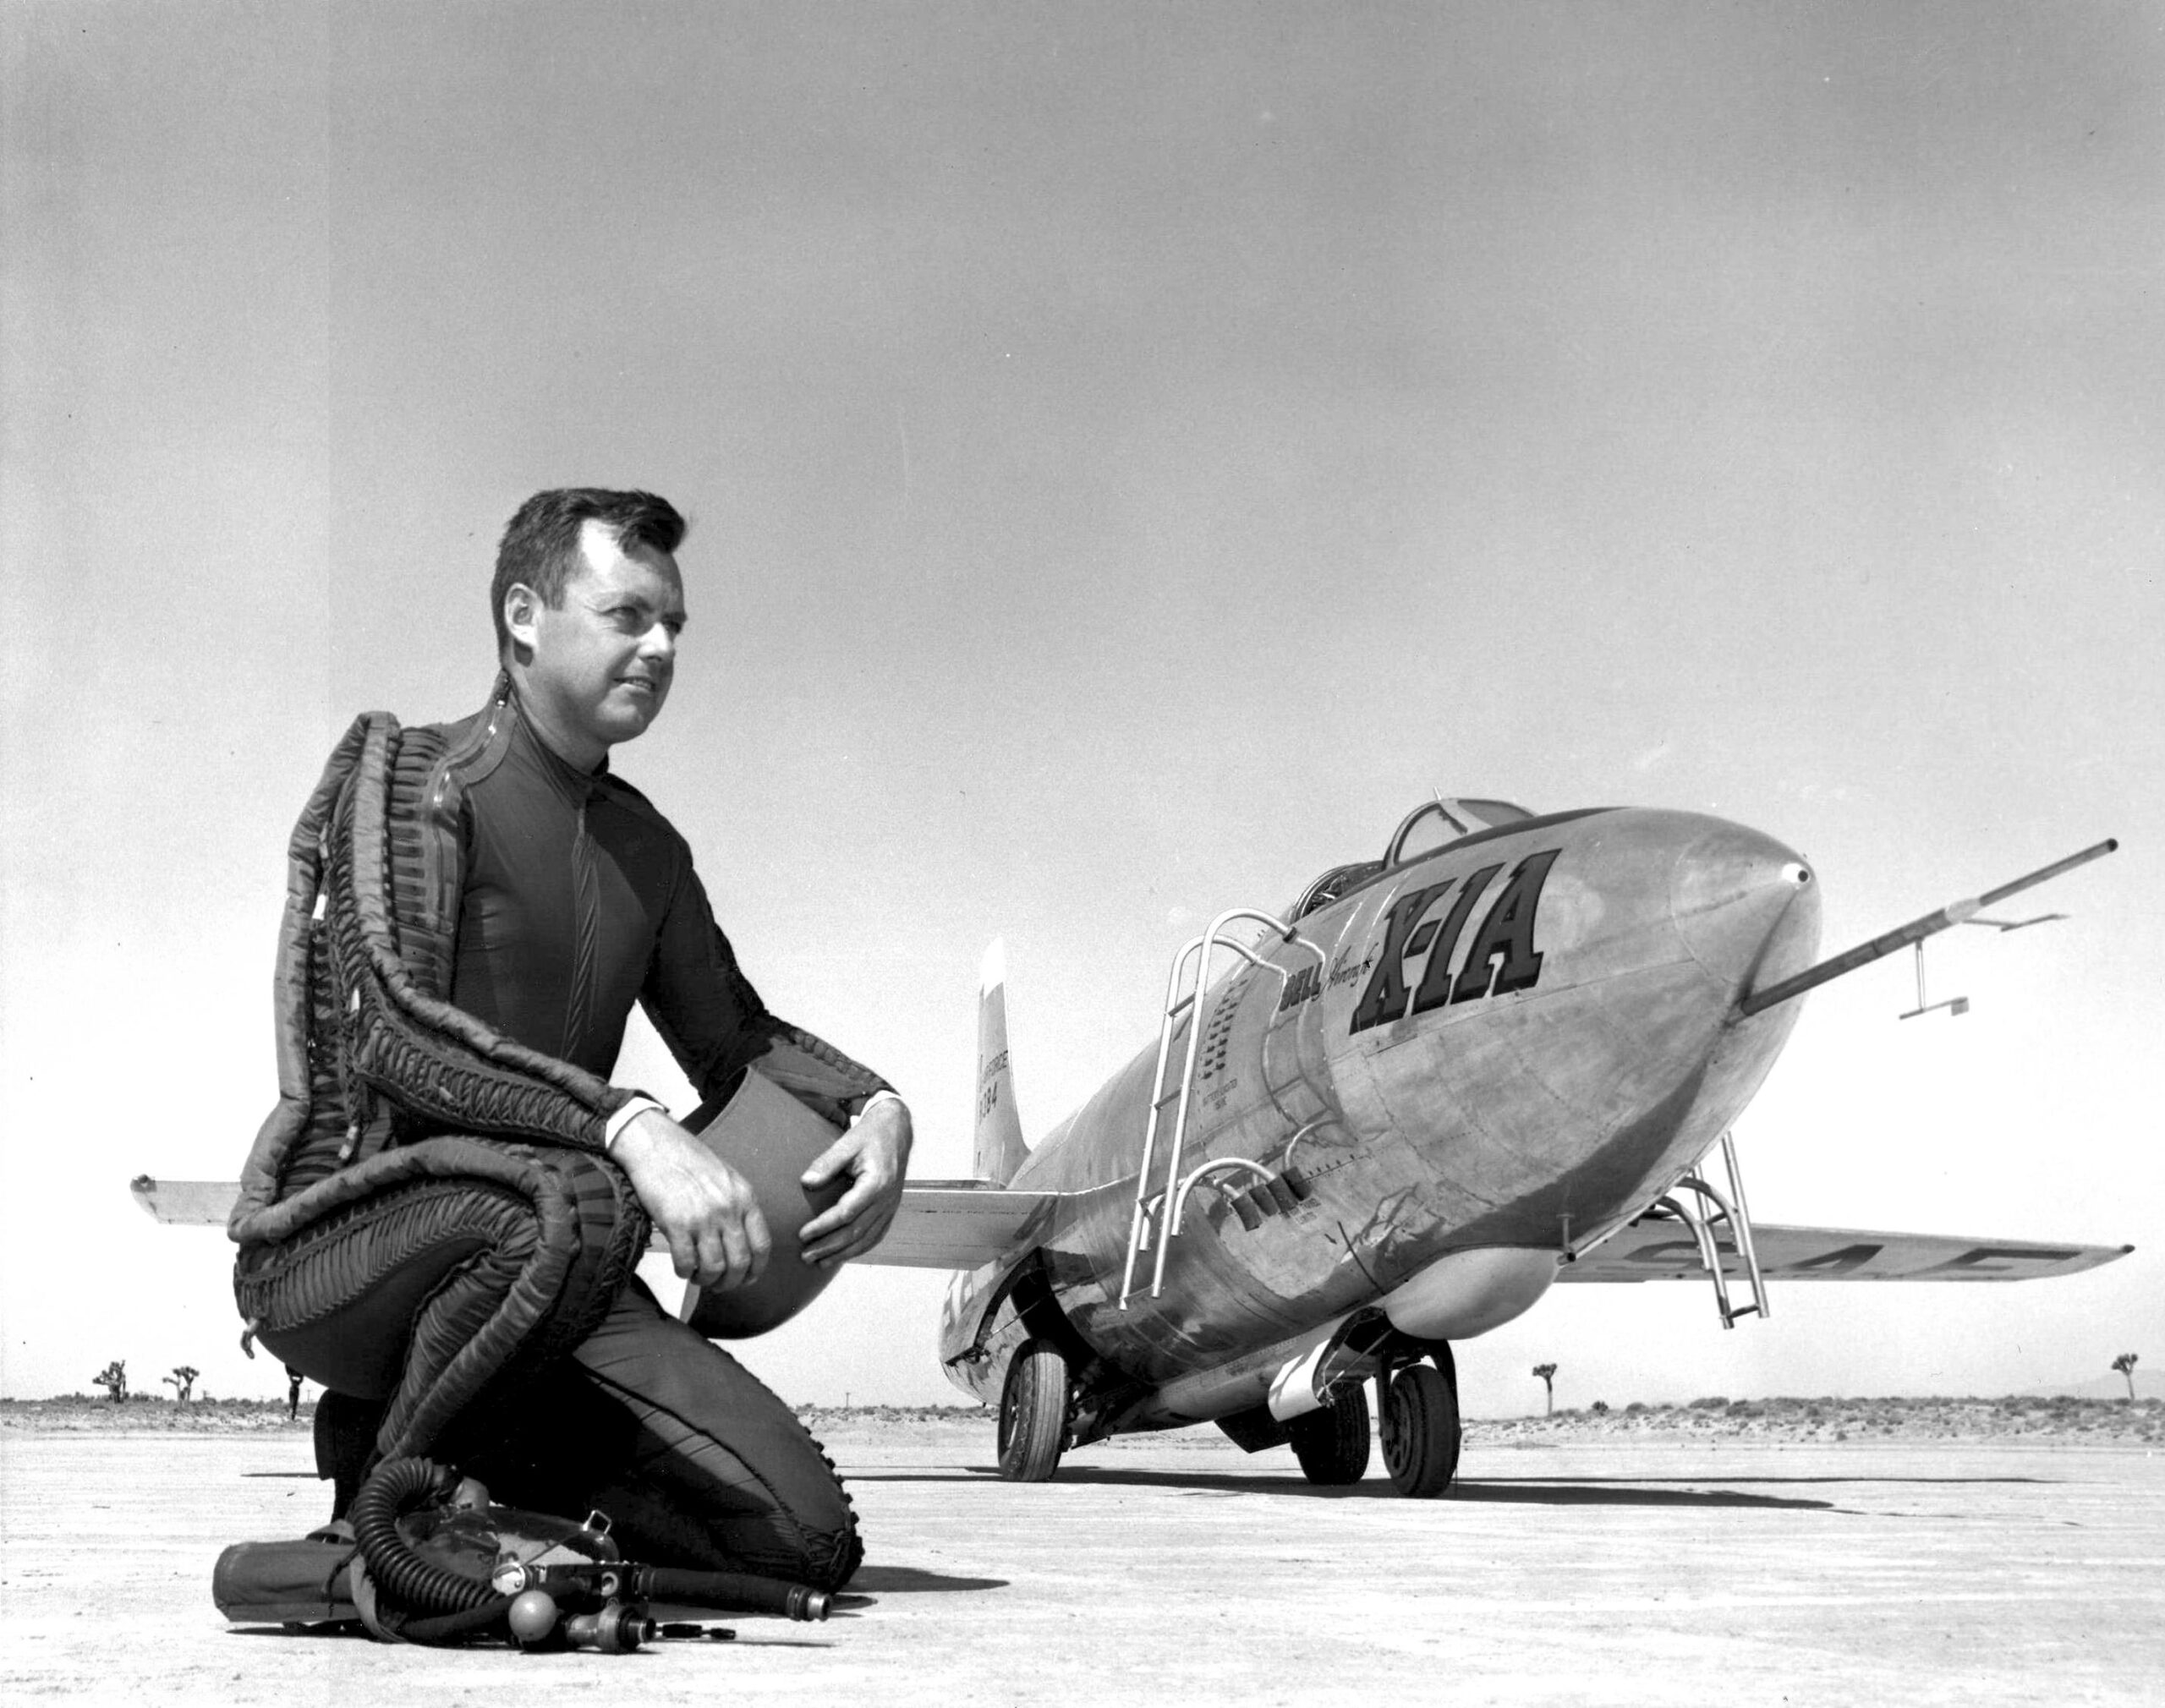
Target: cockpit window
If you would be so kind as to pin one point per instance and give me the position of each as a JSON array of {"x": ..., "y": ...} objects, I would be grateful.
[
  {"x": 1429, "y": 826},
  {"x": 1442, "y": 821},
  {"x": 1494, "y": 813},
  {"x": 1334, "y": 884}
]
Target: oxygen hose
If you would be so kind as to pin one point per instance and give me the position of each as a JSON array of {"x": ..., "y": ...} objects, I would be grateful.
[
  {"x": 489, "y": 1620},
  {"x": 402, "y": 1577},
  {"x": 731, "y": 1592},
  {"x": 424, "y": 1603}
]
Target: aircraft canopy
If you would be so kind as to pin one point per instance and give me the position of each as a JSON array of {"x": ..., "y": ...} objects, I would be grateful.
[
  {"x": 1429, "y": 826},
  {"x": 1442, "y": 821}
]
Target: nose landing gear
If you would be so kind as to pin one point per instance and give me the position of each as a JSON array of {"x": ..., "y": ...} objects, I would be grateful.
[
  {"x": 1332, "y": 1444},
  {"x": 1417, "y": 1404},
  {"x": 1419, "y": 1427}
]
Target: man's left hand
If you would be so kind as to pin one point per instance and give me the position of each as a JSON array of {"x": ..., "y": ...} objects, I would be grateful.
[{"x": 875, "y": 1152}]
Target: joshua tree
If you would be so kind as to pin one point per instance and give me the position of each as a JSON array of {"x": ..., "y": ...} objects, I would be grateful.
[
  {"x": 292, "y": 1394},
  {"x": 1547, "y": 1372},
  {"x": 183, "y": 1383},
  {"x": 113, "y": 1378},
  {"x": 2125, "y": 1364}
]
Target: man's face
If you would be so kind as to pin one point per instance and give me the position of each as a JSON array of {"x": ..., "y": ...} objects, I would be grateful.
[{"x": 600, "y": 665}]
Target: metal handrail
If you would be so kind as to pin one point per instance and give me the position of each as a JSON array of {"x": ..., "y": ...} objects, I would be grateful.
[
  {"x": 1742, "y": 1221},
  {"x": 1198, "y": 1174},
  {"x": 1198, "y": 951},
  {"x": 1285, "y": 1160},
  {"x": 1702, "y": 1224},
  {"x": 1710, "y": 1256},
  {"x": 1209, "y": 940},
  {"x": 1175, "y": 1004}
]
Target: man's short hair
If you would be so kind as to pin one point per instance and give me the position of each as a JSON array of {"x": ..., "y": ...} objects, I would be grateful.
[{"x": 540, "y": 542}]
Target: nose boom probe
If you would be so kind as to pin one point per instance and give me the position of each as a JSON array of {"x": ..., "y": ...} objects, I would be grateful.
[{"x": 1915, "y": 932}]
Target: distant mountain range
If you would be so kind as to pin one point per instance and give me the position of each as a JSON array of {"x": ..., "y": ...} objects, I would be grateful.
[{"x": 2149, "y": 1384}]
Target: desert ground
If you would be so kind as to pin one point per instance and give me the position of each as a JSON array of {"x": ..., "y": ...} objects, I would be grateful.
[{"x": 1781, "y": 1551}]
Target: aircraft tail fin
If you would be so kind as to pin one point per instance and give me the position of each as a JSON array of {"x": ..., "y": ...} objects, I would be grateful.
[{"x": 1000, "y": 1150}]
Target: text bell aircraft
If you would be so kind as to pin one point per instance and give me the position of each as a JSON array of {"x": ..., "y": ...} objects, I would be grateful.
[{"x": 1495, "y": 1059}]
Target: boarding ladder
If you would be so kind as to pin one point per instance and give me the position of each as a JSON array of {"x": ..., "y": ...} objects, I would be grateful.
[
  {"x": 1185, "y": 993},
  {"x": 1699, "y": 1207}
]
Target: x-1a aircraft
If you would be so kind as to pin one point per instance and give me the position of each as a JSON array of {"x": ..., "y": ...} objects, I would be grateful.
[
  {"x": 1496, "y": 1058},
  {"x": 1499, "y": 1057}
]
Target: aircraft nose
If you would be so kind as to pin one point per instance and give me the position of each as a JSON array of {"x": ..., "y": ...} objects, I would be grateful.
[{"x": 1746, "y": 906}]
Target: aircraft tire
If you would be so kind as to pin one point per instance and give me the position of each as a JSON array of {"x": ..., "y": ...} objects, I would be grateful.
[
  {"x": 1033, "y": 1413},
  {"x": 1421, "y": 1433},
  {"x": 1332, "y": 1444}
]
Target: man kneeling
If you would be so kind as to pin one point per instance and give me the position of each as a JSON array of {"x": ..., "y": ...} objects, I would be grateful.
[{"x": 440, "y": 1219}]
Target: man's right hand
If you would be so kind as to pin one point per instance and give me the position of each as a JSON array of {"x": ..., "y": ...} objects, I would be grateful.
[{"x": 703, "y": 1208}]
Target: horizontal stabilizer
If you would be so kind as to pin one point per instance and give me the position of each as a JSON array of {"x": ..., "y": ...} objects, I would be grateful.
[
  {"x": 940, "y": 1224},
  {"x": 1655, "y": 1250},
  {"x": 186, "y": 1203}
]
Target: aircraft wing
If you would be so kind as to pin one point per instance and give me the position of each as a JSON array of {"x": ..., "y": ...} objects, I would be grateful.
[
  {"x": 940, "y": 1224},
  {"x": 959, "y": 1224},
  {"x": 1651, "y": 1250}
]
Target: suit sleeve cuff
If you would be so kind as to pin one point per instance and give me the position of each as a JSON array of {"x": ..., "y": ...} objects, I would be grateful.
[
  {"x": 638, "y": 1106},
  {"x": 866, "y": 1108}
]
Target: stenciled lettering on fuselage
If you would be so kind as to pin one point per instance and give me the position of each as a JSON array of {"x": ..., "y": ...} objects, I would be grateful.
[
  {"x": 1500, "y": 959},
  {"x": 1344, "y": 970},
  {"x": 1305, "y": 985}
]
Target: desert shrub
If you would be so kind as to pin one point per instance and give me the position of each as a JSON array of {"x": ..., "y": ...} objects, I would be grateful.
[
  {"x": 1635, "y": 1407},
  {"x": 1712, "y": 1402},
  {"x": 1601, "y": 1406}
]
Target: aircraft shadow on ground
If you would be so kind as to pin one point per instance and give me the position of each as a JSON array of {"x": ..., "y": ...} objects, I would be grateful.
[
  {"x": 1572, "y": 1492},
  {"x": 1788, "y": 1482},
  {"x": 1591, "y": 1493}
]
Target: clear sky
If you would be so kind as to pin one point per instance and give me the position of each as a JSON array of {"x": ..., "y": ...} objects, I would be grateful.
[{"x": 1134, "y": 454}]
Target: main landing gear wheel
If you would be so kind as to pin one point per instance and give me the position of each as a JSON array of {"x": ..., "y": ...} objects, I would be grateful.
[
  {"x": 1332, "y": 1444},
  {"x": 1419, "y": 1431},
  {"x": 1033, "y": 1413}
]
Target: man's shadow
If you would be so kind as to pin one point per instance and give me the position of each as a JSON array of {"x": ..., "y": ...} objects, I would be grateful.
[
  {"x": 913, "y": 1580},
  {"x": 872, "y": 1582}
]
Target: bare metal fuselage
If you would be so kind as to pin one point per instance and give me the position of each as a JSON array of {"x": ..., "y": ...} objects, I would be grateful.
[{"x": 1510, "y": 1047}]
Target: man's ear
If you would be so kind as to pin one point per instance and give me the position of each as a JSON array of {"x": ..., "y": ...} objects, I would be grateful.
[{"x": 522, "y": 616}]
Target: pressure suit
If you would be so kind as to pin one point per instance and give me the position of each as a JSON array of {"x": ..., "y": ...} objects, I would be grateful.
[{"x": 430, "y": 1224}]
